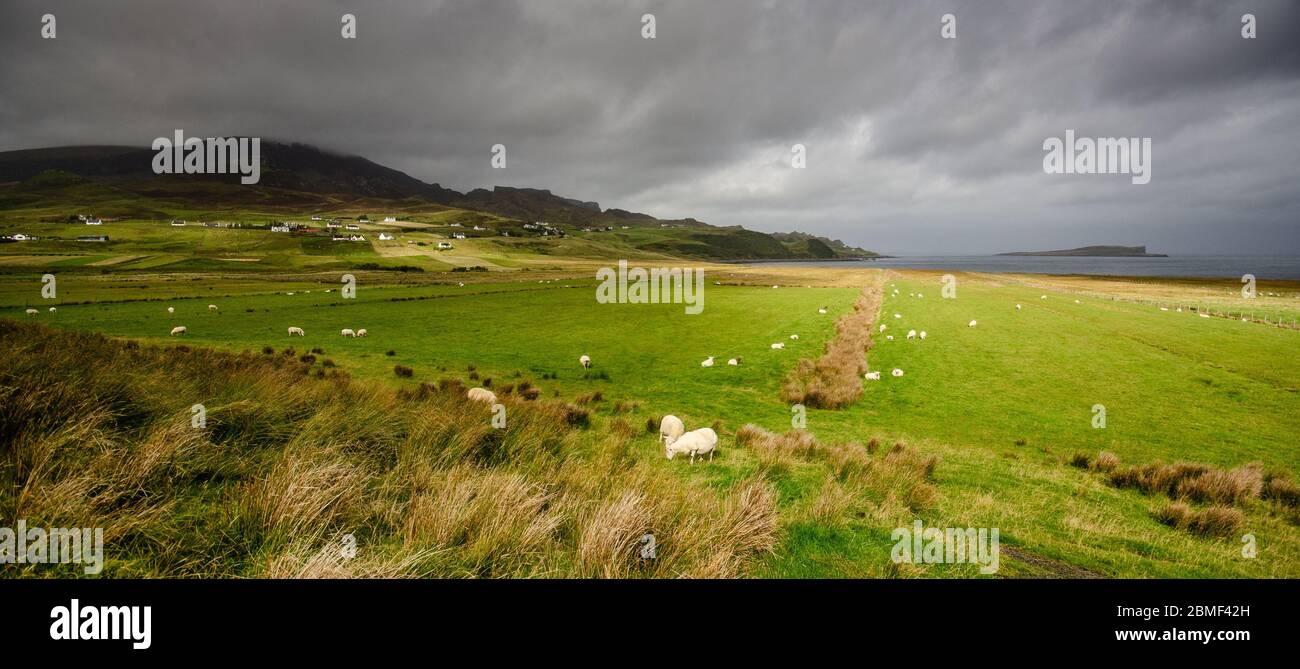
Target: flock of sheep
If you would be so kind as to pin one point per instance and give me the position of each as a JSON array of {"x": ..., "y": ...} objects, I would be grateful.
[{"x": 677, "y": 441}]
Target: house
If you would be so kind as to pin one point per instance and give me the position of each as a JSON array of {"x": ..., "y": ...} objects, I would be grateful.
[
  {"x": 457, "y": 235},
  {"x": 384, "y": 237},
  {"x": 280, "y": 227},
  {"x": 176, "y": 223},
  {"x": 356, "y": 238},
  {"x": 456, "y": 225},
  {"x": 350, "y": 226},
  {"x": 315, "y": 218},
  {"x": 92, "y": 238},
  {"x": 477, "y": 227},
  {"x": 444, "y": 245},
  {"x": 94, "y": 221},
  {"x": 390, "y": 219},
  {"x": 20, "y": 237},
  {"x": 333, "y": 225}
]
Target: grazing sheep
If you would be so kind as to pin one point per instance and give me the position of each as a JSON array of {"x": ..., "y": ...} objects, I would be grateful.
[
  {"x": 776, "y": 286},
  {"x": 970, "y": 324},
  {"x": 178, "y": 330},
  {"x": 171, "y": 310},
  {"x": 911, "y": 294},
  {"x": 31, "y": 312},
  {"x": 919, "y": 296},
  {"x": 1166, "y": 309},
  {"x": 882, "y": 327},
  {"x": 708, "y": 362},
  {"x": 1017, "y": 307},
  {"x": 297, "y": 331},
  {"x": 212, "y": 307},
  {"x": 584, "y": 361},
  {"x": 898, "y": 315},
  {"x": 696, "y": 442},
  {"x": 822, "y": 310},
  {"x": 734, "y": 361},
  {"x": 481, "y": 395},
  {"x": 778, "y": 345},
  {"x": 288, "y": 293},
  {"x": 54, "y": 310},
  {"x": 873, "y": 376},
  {"x": 897, "y": 372},
  {"x": 362, "y": 332},
  {"x": 347, "y": 332},
  {"x": 1042, "y": 297},
  {"x": 794, "y": 337},
  {"x": 1203, "y": 315},
  {"x": 1077, "y": 302},
  {"x": 922, "y": 335},
  {"x": 670, "y": 428},
  {"x": 911, "y": 334},
  {"x": 889, "y": 337}
]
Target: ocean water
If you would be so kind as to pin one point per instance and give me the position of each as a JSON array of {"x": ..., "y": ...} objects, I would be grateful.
[{"x": 1263, "y": 267}]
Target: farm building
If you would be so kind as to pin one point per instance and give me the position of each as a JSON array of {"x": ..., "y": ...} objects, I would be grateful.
[
  {"x": 92, "y": 238},
  {"x": 444, "y": 245}
]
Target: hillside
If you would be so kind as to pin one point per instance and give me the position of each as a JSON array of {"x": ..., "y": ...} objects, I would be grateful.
[
  {"x": 1095, "y": 251},
  {"x": 298, "y": 180}
]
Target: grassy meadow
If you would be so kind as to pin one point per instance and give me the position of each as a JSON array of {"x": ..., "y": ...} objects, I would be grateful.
[{"x": 992, "y": 420}]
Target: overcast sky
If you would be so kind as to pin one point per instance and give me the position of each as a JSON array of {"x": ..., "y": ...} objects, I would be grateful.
[{"x": 915, "y": 144}]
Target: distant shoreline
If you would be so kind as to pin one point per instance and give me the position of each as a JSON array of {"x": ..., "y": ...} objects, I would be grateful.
[{"x": 759, "y": 261}]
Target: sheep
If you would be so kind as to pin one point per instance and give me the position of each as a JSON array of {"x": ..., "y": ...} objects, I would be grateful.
[
  {"x": 171, "y": 310},
  {"x": 1203, "y": 315},
  {"x": 898, "y": 315},
  {"x": 696, "y": 442},
  {"x": 889, "y": 337},
  {"x": 873, "y": 376},
  {"x": 778, "y": 346},
  {"x": 708, "y": 362},
  {"x": 54, "y": 310},
  {"x": 584, "y": 361},
  {"x": 776, "y": 286},
  {"x": 1077, "y": 302},
  {"x": 911, "y": 294},
  {"x": 31, "y": 312},
  {"x": 896, "y": 373},
  {"x": 1042, "y": 297},
  {"x": 922, "y": 335},
  {"x": 297, "y": 331},
  {"x": 670, "y": 428},
  {"x": 347, "y": 332},
  {"x": 822, "y": 310},
  {"x": 882, "y": 327},
  {"x": 481, "y": 395},
  {"x": 212, "y": 307},
  {"x": 178, "y": 330},
  {"x": 288, "y": 293},
  {"x": 971, "y": 324},
  {"x": 1164, "y": 308},
  {"x": 919, "y": 296},
  {"x": 734, "y": 361},
  {"x": 795, "y": 337},
  {"x": 911, "y": 334},
  {"x": 1017, "y": 307},
  {"x": 362, "y": 332}
]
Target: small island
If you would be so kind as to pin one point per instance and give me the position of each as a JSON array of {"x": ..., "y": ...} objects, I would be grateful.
[{"x": 1095, "y": 252}]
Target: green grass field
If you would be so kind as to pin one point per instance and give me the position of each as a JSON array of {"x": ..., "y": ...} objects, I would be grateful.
[{"x": 1004, "y": 405}]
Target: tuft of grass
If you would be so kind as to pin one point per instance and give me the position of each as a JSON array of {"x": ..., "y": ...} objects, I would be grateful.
[
  {"x": 834, "y": 380},
  {"x": 403, "y": 371},
  {"x": 1220, "y": 521}
]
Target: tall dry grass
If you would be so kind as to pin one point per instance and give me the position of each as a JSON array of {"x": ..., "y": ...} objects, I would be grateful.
[
  {"x": 97, "y": 433},
  {"x": 834, "y": 380}
]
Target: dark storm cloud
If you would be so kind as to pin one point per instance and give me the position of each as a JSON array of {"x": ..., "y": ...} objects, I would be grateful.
[{"x": 915, "y": 143}]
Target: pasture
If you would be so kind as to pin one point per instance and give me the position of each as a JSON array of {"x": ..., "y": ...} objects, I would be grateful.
[{"x": 1004, "y": 405}]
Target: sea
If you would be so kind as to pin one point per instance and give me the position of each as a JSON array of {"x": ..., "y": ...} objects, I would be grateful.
[{"x": 1261, "y": 267}]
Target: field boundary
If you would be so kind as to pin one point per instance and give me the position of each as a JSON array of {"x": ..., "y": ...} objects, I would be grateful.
[{"x": 834, "y": 380}]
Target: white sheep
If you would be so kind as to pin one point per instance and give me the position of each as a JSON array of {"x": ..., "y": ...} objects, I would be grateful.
[
  {"x": 734, "y": 361},
  {"x": 297, "y": 331},
  {"x": 889, "y": 337},
  {"x": 1017, "y": 307},
  {"x": 898, "y": 315},
  {"x": 822, "y": 310},
  {"x": 171, "y": 310},
  {"x": 922, "y": 335},
  {"x": 1042, "y": 297},
  {"x": 362, "y": 332},
  {"x": 873, "y": 376},
  {"x": 584, "y": 361},
  {"x": 32, "y": 312},
  {"x": 778, "y": 345},
  {"x": 481, "y": 395},
  {"x": 670, "y": 428},
  {"x": 794, "y": 337},
  {"x": 695, "y": 442},
  {"x": 212, "y": 307},
  {"x": 882, "y": 327},
  {"x": 54, "y": 310},
  {"x": 1203, "y": 315},
  {"x": 776, "y": 286},
  {"x": 911, "y": 334},
  {"x": 347, "y": 332},
  {"x": 919, "y": 296},
  {"x": 708, "y": 362},
  {"x": 897, "y": 372},
  {"x": 178, "y": 330},
  {"x": 971, "y": 324},
  {"x": 1077, "y": 302}
]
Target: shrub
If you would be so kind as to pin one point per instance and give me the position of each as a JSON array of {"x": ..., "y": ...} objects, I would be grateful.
[
  {"x": 403, "y": 371},
  {"x": 1106, "y": 462}
]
